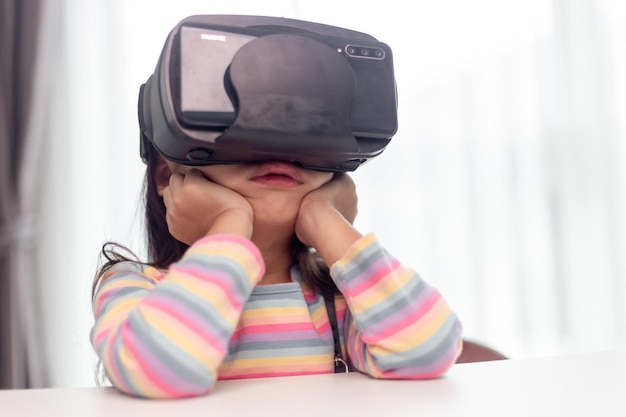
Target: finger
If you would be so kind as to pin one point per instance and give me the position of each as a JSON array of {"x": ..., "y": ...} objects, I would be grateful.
[
  {"x": 344, "y": 178},
  {"x": 173, "y": 187},
  {"x": 167, "y": 196},
  {"x": 193, "y": 175},
  {"x": 176, "y": 180},
  {"x": 344, "y": 182}
]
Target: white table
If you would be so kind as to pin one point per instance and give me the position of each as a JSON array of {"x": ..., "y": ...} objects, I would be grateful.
[{"x": 590, "y": 385}]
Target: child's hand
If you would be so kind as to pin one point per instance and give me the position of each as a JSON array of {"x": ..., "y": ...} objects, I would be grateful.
[
  {"x": 325, "y": 218},
  {"x": 197, "y": 207}
]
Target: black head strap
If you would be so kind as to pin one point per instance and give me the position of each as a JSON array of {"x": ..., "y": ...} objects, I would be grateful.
[{"x": 341, "y": 364}]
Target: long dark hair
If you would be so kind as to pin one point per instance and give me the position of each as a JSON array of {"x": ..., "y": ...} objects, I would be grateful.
[{"x": 163, "y": 249}]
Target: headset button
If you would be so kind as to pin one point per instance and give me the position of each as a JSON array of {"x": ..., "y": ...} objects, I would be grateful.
[
  {"x": 352, "y": 164},
  {"x": 199, "y": 155}
]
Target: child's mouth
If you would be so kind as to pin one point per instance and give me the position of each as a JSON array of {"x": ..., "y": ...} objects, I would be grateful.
[{"x": 277, "y": 174}]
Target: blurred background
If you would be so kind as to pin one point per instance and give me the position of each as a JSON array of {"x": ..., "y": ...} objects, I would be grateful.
[{"x": 504, "y": 186}]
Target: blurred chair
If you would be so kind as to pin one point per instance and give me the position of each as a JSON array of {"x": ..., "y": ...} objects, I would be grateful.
[{"x": 477, "y": 352}]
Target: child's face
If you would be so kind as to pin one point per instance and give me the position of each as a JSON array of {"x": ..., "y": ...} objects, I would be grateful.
[{"x": 274, "y": 188}]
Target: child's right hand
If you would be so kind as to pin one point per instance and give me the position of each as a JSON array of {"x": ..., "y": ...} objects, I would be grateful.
[{"x": 197, "y": 207}]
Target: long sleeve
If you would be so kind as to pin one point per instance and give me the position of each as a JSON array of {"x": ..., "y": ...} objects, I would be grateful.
[
  {"x": 400, "y": 327},
  {"x": 165, "y": 335}
]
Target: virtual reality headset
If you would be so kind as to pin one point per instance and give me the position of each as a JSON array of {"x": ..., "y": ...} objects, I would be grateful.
[{"x": 232, "y": 89}]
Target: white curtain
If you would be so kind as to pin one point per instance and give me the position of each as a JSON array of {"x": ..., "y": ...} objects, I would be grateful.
[{"x": 504, "y": 186}]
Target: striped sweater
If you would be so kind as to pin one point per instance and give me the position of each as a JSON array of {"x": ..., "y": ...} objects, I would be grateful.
[{"x": 174, "y": 333}]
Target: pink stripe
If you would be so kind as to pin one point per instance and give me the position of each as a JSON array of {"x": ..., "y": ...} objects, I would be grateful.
[
  {"x": 325, "y": 327},
  {"x": 273, "y": 374},
  {"x": 190, "y": 319},
  {"x": 310, "y": 296},
  {"x": 356, "y": 354},
  {"x": 377, "y": 272},
  {"x": 158, "y": 374},
  {"x": 112, "y": 370},
  {"x": 100, "y": 337},
  {"x": 434, "y": 370},
  {"x": 390, "y": 326},
  {"x": 105, "y": 295},
  {"x": 341, "y": 313},
  {"x": 276, "y": 337},
  {"x": 235, "y": 241},
  {"x": 279, "y": 327},
  {"x": 220, "y": 280},
  {"x": 274, "y": 332}
]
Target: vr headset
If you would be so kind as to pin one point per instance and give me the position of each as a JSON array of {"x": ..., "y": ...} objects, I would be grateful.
[{"x": 232, "y": 89}]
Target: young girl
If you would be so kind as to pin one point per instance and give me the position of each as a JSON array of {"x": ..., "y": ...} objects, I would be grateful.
[{"x": 255, "y": 270}]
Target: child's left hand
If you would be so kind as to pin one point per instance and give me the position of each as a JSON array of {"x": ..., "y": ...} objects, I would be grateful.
[{"x": 325, "y": 218}]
